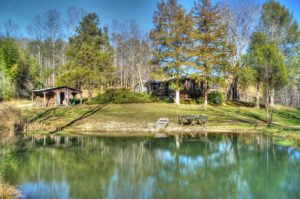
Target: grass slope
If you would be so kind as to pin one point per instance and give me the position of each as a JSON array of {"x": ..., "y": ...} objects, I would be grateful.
[{"x": 141, "y": 117}]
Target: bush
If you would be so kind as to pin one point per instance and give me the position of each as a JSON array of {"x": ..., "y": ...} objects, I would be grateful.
[
  {"x": 11, "y": 122},
  {"x": 74, "y": 102},
  {"x": 121, "y": 96},
  {"x": 163, "y": 99},
  {"x": 216, "y": 97},
  {"x": 190, "y": 101}
]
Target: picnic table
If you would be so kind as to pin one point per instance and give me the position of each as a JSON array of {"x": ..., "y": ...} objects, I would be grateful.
[{"x": 192, "y": 119}]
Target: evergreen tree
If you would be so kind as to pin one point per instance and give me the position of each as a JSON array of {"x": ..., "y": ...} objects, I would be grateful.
[
  {"x": 211, "y": 49},
  {"x": 267, "y": 59},
  {"x": 19, "y": 73},
  {"x": 171, "y": 36},
  {"x": 11, "y": 56},
  {"x": 281, "y": 29},
  {"x": 5, "y": 84},
  {"x": 89, "y": 56},
  {"x": 26, "y": 76},
  {"x": 278, "y": 25}
]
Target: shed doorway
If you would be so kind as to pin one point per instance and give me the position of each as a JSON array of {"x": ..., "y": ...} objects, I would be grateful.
[{"x": 62, "y": 98}]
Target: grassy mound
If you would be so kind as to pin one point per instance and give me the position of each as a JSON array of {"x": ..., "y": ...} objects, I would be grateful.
[{"x": 122, "y": 96}]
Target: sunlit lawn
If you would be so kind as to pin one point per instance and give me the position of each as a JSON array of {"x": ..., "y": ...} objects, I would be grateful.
[{"x": 285, "y": 120}]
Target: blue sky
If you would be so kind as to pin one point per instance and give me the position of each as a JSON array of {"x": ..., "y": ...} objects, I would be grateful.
[{"x": 22, "y": 11}]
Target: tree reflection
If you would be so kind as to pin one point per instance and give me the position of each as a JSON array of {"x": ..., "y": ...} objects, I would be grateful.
[{"x": 209, "y": 167}]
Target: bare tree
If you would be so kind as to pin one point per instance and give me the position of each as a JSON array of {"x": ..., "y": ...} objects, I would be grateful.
[
  {"x": 35, "y": 31},
  {"x": 10, "y": 28},
  {"x": 240, "y": 18},
  {"x": 52, "y": 27},
  {"x": 132, "y": 54},
  {"x": 74, "y": 16},
  {"x": 1, "y": 33}
]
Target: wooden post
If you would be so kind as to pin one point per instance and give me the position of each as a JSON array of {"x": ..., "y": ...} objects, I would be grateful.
[
  {"x": 67, "y": 98},
  {"x": 32, "y": 99},
  {"x": 80, "y": 98},
  {"x": 55, "y": 98},
  {"x": 45, "y": 105}
]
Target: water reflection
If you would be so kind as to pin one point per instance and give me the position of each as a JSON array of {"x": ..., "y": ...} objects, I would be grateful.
[{"x": 208, "y": 167}]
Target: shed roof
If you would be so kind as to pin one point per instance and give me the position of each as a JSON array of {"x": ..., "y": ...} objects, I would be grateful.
[{"x": 55, "y": 88}]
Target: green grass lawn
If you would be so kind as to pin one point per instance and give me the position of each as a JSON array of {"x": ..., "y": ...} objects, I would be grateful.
[{"x": 286, "y": 121}]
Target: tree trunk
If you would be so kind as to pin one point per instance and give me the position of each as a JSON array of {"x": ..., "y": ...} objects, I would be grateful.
[
  {"x": 177, "y": 98},
  {"x": 257, "y": 96},
  {"x": 227, "y": 90},
  {"x": 272, "y": 94},
  {"x": 205, "y": 88},
  {"x": 53, "y": 64},
  {"x": 267, "y": 104},
  {"x": 141, "y": 82},
  {"x": 235, "y": 92},
  {"x": 89, "y": 94},
  {"x": 121, "y": 64},
  {"x": 39, "y": 54},
  {"x": 286, "y": 96}
]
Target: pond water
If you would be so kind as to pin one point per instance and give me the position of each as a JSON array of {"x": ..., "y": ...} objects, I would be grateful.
[{"x": 132, "y": 168}]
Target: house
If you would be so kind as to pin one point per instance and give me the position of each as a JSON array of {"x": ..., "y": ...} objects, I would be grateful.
[
  {"x": 190, "y": 88},
  {"x": 56, "y": 96}
]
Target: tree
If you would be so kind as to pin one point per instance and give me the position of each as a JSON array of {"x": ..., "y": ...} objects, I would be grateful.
[
  {"x": 52, "y": 27},
  {"x": 170, "y": 37},
  {"x": 27, "y": 75},
  {"x": 89, "y": 56},
  {"x": 10, "y": 53},
  {"x": 74, "y": 16},
  {"x": 210, "y": 50},
  {"x": 36, "y": 33},
  {"x": 291, "y": 93},
  {"x": 239, "y": 18},
  {"x": 5, "y": 83},
  {"x": 19, "y": 73},
  {"x": 278, "y": 25},
  {"x": 10, "y": 28},
  {"x": 267, "y": 59},
  {"x": 132, "y": 54}
]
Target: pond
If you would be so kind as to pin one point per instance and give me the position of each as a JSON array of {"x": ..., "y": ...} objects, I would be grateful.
[{"x": 131, "y": 168}]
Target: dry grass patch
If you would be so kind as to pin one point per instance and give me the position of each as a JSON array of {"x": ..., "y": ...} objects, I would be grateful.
[{"x": 8, "y": 191}]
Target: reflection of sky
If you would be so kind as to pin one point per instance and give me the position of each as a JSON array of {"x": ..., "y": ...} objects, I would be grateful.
[
  {"x": 129, "y": 190},
  {"x": 191, "y": 162},
  {"x": 184, "y": 160},
  {"x": 45, "y": 190},
  {"x": 293, "y": 154}
]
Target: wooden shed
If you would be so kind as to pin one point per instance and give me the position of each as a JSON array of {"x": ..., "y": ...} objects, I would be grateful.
[{"x": 56, "y": 96}]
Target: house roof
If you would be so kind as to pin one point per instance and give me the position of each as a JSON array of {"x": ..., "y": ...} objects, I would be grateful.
[{"x": 55, "y": 88}]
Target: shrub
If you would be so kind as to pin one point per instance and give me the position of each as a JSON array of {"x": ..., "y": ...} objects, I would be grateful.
[
  {"x": 163, "y": 99},
  {"x": 216, "y": 97},
  {"x": 11, "y": 122},
  {"x": 74, "y": 102},
  {"x": 121, "y": 96},
  {"x": 190, "y": 101}
]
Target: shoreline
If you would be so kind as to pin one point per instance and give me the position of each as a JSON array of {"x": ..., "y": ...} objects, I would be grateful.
[{"x": 170, "y": 133}]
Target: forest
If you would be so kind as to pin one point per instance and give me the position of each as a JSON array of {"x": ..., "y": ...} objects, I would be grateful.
[{"x": 242, "y": 47}]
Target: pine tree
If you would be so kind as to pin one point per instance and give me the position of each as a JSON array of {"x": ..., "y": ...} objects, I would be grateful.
[
  {"x": 171, "y": 36},
  {"x": 281, "y": 29},
  {"x": 267, "y": 59},
  {"x": 89, "y": 56},
  {"x": 210, "y": 50},
  {"x": 278, "y": 25}
]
